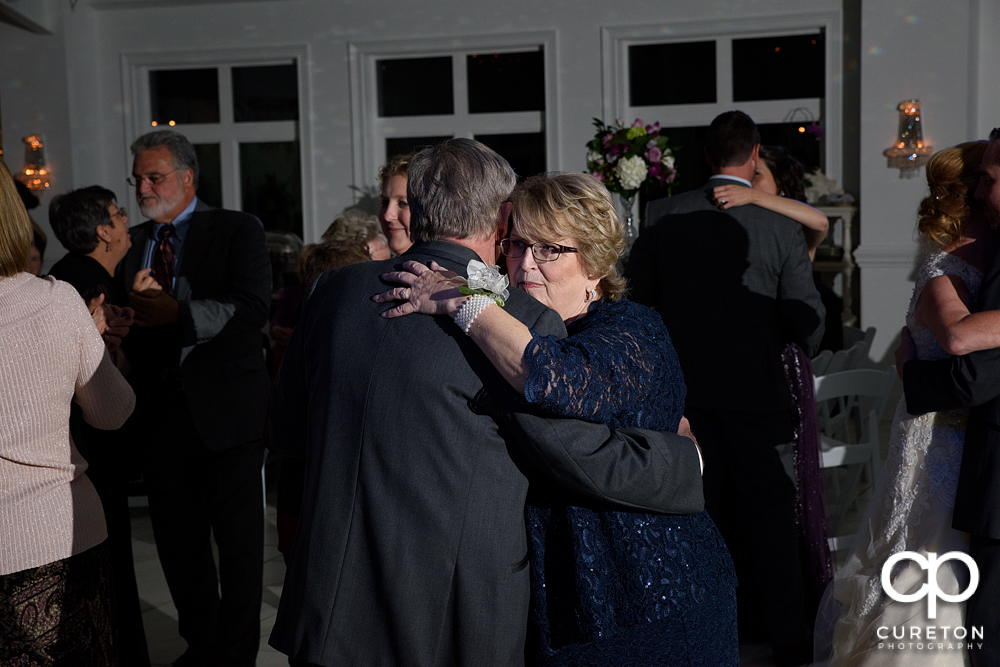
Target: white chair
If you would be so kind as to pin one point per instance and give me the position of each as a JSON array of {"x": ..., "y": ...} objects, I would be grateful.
[
  {"x": 864, "y": 394},
  {"x": 820, "y": 362}
]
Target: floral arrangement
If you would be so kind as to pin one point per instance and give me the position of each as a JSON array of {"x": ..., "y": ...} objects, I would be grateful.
[
  {"x": 486, "y": 280},
  {"x": 625, "y": 158}
]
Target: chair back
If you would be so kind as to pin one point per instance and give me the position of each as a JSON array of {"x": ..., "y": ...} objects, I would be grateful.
[{"x": 850, "y": 405}]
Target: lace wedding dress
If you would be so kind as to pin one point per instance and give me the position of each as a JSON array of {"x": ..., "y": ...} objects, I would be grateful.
[{"x": 910, "y": 510}]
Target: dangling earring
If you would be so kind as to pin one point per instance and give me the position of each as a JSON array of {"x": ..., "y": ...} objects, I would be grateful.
[{"x": 107, "y": 245}]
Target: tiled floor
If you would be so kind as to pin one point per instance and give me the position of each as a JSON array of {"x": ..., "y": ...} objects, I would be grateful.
[
  {"x": 158, "y": 613},
  {"x": 160, "y": 616}
]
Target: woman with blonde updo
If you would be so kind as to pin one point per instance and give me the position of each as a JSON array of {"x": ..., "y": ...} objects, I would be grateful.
[
  {"x": 608, "y": 586},
  {"x": 912, "y": 504}
]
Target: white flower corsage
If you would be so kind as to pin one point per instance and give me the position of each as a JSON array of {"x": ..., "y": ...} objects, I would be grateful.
[{"x": 486, "y": 280}]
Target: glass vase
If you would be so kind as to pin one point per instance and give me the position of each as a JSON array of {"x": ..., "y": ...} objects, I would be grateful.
[{"x": 628, "y": 219}]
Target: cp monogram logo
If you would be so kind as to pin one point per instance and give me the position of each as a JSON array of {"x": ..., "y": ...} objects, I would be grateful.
[{"x": 930, "y": 590}]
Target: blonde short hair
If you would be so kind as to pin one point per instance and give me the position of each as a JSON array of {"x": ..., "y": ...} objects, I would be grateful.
[
  {"x": 15, "y": 227},
  {"x": 398, "y": 165},
  {"x": 355, "y": 225},
  {"x": 952, "y": 176},
  {"x": 553, "y": 206}
]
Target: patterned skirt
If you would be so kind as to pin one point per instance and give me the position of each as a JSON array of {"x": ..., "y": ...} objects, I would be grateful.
[{"x": 59, "y": 614}]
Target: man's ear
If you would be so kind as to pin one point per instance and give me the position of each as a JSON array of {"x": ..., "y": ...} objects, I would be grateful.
[
  {"x": 755, "y": 154},
  {"x": 188, "y": 177}
]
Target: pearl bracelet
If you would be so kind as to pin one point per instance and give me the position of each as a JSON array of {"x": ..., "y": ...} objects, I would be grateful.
[{"x": 470, "y": 310}]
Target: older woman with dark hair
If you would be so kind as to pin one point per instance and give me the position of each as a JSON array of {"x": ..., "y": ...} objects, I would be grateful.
[
  {"x": 89, "y": 223},
  {"x": 55, "y": 580},
  {"x": 609, "y": 587}
]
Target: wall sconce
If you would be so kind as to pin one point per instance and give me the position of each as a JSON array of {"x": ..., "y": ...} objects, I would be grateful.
[
  {"x": 909, "y": 153},
  {"x": 35, "y": 174}
]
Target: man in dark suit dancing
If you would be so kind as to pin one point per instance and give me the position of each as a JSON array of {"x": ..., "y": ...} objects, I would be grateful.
[
  {"x": 201, "y": 287},
  {"x": 972, "y": 381},
  {"x": 411, "y": 547},
  {"x": 732, "y": 287}
]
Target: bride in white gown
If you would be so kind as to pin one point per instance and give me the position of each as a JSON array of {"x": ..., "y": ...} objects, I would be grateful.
[{"x": 911, "y": 506}]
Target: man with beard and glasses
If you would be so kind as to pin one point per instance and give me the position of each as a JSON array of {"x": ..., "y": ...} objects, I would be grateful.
[{"x": 200, "y": 282}]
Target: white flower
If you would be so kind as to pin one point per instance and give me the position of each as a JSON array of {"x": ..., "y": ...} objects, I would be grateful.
[
  {"x": 595, "y": 157},
  {"x": 667, "y": 161},
  {"x": 632, "y": 172},
  {"x": 488, "y": 278}
]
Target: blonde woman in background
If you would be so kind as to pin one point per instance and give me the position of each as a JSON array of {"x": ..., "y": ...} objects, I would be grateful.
[
  {"x": 913, "y": 502},
  {"x": 394, "y": 215},
  {"x": 55, "y": 584},
  {"x": 360, "y": 227}
]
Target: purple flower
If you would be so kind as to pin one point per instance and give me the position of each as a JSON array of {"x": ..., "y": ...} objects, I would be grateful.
[
  {"x": 654, "y": 154},
  {"x": 672, "y": 176},
  {"x": 637, "y": 123},
  {"x": 607, "y": 139},
  {"x": 656, "y": 170},
  {"x": 599, "y": 176}
]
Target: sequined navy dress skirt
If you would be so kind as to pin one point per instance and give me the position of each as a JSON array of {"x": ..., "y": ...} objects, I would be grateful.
[{"x": 615, "y": 588}]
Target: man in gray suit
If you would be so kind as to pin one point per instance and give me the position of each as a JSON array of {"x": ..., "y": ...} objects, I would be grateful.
[
  {"x": 733, "y": 287},
  {"x": 411, "y": 547}
]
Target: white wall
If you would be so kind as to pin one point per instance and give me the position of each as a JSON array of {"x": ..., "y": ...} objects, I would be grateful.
[
  {"x": 94, "y": 41},
  {"x": 928, "y": 51},
  {"x": 33, "y": 100}
]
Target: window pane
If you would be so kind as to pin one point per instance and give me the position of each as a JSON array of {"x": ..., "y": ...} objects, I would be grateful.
[
  {"x": 779, "y": 68},
  {"x": 680, "y": 73},
  {"x": 500, "y": 82},
  {"x": 271, "y": 184},
  {"x": 801, "y": 144},
  {"x": 524, "y": 152},
  {"x": 269, "y": 92},
  {"x": 404, "y": 145},
  {"x": 415, "y": 87},
  {"x": 184, "y": 96},
  {"x": 209, "y": 174}
]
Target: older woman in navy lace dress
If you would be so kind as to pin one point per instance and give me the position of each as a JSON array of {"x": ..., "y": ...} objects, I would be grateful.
[{"x": 609, "y": 587}]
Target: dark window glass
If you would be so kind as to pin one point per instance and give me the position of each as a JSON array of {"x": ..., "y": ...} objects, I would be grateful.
[
  {"x": 269, "y": 92},
  {"x": 500, "y": 82},
  {"x": 209, "y": 174},
  {"x": 404, "y": 145},
  {"x": 415, "y": 87},
  {"x": 524, "y": 152},
  {"x": 184, "y": 96},
  {"x": 779, "y": 68},
  {"x": 802, "y": 145},
  {"x": 682, "y": 73},
  {"x": 271, "y": 184}
]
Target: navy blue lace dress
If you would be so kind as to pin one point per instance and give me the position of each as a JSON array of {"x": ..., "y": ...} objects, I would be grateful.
[{"x": 609, "y": 587}]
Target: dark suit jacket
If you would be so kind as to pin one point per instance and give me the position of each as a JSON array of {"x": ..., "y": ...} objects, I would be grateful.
[
  {"x": 732, "y": 287},
  {"x": 411, "y": 547},
  {"x": 224, "y": 292},
  {"x": 970, "y": 381}
]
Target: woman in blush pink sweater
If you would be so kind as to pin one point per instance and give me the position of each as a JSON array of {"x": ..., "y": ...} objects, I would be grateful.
[{"x": 54, "y": 575}]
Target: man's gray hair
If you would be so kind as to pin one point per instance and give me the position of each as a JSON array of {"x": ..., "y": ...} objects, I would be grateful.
[
  {"x": 455, "y": 190},
  {"x": 180, "y": 149}
]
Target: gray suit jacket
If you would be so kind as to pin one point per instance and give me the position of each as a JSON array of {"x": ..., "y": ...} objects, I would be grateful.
[
  {"x": 732, "y": 287},
  {"x": 411, "y": 547},
  {"x": 223, "y": 293}
]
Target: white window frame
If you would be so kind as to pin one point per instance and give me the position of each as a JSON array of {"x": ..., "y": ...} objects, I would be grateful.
[
  {"x": 227, "y": 133},
  {"x": 370, "y": 131},
  {"x": 615, "y": 42}
]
